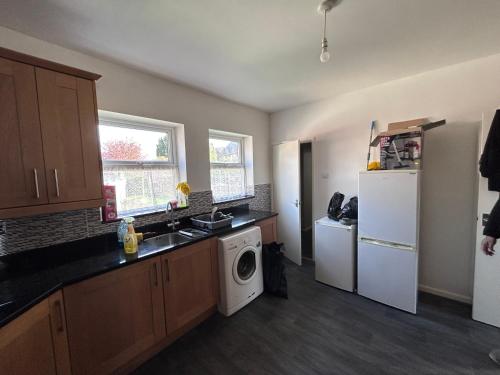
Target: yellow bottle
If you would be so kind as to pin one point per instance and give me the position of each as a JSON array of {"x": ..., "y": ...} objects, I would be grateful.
[{"x": 130, "y": 240}]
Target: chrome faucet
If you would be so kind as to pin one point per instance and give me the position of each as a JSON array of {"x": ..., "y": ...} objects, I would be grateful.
[
  {"x": 170, "y": 211},
  {"x": 212, "y": 215}
]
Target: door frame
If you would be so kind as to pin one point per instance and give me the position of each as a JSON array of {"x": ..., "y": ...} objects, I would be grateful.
[
  {"x": 311, "y": 141},
  {"x": 313, "y": 185}
]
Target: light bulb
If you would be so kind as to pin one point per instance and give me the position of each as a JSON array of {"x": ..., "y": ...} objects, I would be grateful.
[{"x": 325, "y": 55}]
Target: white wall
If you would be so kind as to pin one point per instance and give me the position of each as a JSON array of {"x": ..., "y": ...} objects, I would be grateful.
[
  {"x": 125, "y": 90},
  {"x": 340, "y": 128}
]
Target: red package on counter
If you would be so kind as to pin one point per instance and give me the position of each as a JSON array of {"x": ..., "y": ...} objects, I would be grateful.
[{"x": 109, "y": 211}]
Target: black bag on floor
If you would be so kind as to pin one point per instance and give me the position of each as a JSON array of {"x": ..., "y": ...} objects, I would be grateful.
[{"x": 274, "y": 269}]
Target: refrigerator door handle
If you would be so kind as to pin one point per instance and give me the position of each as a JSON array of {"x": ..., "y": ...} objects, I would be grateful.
[{"x": 394, "y": 245}]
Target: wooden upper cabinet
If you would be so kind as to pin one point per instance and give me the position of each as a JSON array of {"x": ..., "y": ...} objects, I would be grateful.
[
  {"x": 189, "y": 283},
  {"x": 22, "y": 169},
  {"x": 69, "y": 134},
  {"x": 49, "y": 149},
  {"x": 114, "y": 317},
  {"x": 35, "y": 343}
]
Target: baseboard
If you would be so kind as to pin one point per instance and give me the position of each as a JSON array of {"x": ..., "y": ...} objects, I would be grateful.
[{"x": 445, "y": 294}]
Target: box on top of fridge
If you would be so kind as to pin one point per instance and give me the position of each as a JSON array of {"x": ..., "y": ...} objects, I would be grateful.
[{"x": 401, "y": 145}]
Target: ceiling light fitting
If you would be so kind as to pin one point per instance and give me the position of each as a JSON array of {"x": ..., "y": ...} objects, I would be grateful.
[{"x": 323, "y": 8}]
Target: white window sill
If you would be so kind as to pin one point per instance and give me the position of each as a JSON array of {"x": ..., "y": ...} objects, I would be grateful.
[{"x": 228, "y": 200}]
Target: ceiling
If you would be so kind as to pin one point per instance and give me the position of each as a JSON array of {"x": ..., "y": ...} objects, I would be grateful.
[{"x": 265, "y": 53}]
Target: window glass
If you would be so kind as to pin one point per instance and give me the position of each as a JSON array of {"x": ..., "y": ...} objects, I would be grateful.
[
  {"x": 140, "y": 164},
  {"x": 227, "y": 168},
  {"x": 118, "y": 143},
  {"x": 225, "y": 151}
]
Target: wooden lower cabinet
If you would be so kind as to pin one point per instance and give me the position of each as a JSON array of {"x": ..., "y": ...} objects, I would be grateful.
[
  {"x": 268, "y": 228},
  {"x": 113, "y": 322},
  {"x": 190, "y": 283},
  {"x": 35, "y": 343},
  {"x": 114, "y": 317}
]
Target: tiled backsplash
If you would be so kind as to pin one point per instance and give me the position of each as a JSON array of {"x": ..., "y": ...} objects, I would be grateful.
[{"x": 45, "y": 230}]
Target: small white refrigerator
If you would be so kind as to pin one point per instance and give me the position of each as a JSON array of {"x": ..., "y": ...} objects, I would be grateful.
[
  {"x": 388, "y": 237},
  {"x": 335, "y": 254}
]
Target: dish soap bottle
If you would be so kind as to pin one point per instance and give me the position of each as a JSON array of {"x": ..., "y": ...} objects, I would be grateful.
[
  {"x": 122, "y": 231},
  {"x": 130, "y": 239}
]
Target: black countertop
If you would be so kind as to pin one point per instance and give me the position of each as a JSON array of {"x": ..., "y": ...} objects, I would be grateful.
[{"x": 28, "y": 277}]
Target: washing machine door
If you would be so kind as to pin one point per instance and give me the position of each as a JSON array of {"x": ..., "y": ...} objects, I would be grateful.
[{"x": 245, "y": 265}]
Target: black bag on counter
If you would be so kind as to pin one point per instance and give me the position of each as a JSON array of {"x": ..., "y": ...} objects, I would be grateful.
[
  {"x": 274, "y": 269},
  {"x": 350, "y": 209},
  {"x": 334, "y": 207}
]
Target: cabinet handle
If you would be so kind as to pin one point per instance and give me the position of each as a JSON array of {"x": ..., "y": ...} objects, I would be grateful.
[
  {"x": 167, "y": 271},
  {"x": 35, "y": 172},
  {"x": 155, "y": 272},
  {"x": 60, "y": 325},
  {"x": 56, "y": 178}
]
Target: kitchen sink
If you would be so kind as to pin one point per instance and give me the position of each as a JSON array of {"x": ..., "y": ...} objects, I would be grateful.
[{"x": 167, "y": 240}]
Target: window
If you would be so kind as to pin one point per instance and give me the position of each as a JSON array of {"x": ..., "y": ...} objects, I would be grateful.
[
  {"x": 227, "y": 167},
  {"x": 139, "y": 160}
]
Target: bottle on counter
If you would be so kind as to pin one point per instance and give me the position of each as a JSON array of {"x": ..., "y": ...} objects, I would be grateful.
[
  {"x": 122, "y": 230},
  {"x": 130, "y": 240}
]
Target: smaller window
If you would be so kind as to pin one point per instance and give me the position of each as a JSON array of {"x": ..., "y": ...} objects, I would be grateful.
[{"x": 227, "y": 167}]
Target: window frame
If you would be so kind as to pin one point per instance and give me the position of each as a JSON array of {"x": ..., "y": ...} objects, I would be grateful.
[
  {"x": 213, "y": 134},
  {"x": 236, "y": 139},
  {"x": 138, "y": 125}
]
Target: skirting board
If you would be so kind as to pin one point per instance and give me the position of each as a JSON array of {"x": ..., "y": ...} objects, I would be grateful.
[{"x": 445, "y": 294}]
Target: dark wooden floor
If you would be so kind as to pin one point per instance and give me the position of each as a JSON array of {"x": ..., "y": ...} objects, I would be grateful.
[{"x": 321, "y": 330}]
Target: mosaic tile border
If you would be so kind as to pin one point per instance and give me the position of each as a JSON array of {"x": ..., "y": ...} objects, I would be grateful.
[{"x": 44, "y": 230}]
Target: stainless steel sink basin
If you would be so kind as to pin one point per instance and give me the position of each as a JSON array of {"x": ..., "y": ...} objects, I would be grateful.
[{"x": 167, "y": 240}]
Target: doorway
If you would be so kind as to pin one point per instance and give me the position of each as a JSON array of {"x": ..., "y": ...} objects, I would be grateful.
[
  {"x": 292, "y": 198},
  {"x": 306, "y": 200}
]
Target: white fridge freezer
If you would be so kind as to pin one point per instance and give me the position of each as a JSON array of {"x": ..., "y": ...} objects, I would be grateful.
[
  {"x": 335, "y": 253},
  {"x": 388, "y": 237}
]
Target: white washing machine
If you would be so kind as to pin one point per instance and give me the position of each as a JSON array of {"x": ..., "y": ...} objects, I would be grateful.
[{"x": 240, "y": 269}]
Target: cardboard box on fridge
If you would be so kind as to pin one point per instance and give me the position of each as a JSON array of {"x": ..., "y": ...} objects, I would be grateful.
[{"x": 401, "y": 146}]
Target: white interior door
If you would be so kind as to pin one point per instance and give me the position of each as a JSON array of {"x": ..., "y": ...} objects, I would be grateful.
[
  {"x": 486, "y": 302},
  {"x": 286, "y": 171}
]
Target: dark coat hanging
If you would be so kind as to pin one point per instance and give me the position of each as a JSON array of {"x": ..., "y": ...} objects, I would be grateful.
[
  {"x": 492, "y": 227},
  {"x": 489, "y": 165}
]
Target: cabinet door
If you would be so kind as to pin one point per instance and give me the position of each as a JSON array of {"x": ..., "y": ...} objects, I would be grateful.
[
  {"x": 268, "y": 230},
  {"x": 22, "y": 170},
  {"x": 32, "y": 345},
  {"x": 59, "y": 333},
  {"x": 189, "y": 284},
  {"x": 114, "y": 317},
  {"x": 70, "y": 138}
]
